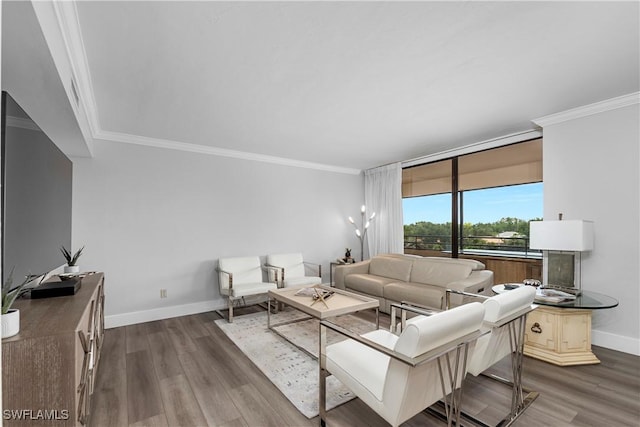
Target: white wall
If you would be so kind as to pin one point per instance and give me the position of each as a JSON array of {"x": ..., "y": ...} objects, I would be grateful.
[
  {"x": 154, "y": 218},
  {"x": 591, "y": 172}
]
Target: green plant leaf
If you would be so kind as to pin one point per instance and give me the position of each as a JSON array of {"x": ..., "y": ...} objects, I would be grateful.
[
  {"x": 9, "y": 295},
  {"x": 71, "y": 259}
]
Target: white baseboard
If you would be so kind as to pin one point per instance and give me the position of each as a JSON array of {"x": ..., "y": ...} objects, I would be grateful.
[
  {"x": 124, "y": 319},
  {"x": 616, "y": 342}
]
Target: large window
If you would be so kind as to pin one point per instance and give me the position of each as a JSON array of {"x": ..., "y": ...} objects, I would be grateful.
[{"x": 479, "y": 203}]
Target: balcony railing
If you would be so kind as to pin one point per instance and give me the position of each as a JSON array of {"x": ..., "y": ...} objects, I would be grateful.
[{"x": 481, "y": 245}]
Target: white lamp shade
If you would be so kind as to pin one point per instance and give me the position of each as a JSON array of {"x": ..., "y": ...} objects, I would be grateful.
[{"x": 564, "y": 235}]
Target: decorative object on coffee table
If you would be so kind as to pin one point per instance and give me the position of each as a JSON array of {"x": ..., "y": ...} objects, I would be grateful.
[
  {"x": 72, "y": 260},
  {"x": 362, "y": 234}
]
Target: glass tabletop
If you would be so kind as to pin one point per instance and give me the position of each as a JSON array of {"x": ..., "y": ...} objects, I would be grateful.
[{"x": 587, "y": 300}]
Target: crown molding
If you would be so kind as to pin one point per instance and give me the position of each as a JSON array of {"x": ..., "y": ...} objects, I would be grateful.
[
  {"x": 19, "y": 122},
  {"x": 477, "y": 146},
  {"x": 66, "y": 14},
  {"x": 222, "y": 152},
  {"x": 588, "y": 110}
]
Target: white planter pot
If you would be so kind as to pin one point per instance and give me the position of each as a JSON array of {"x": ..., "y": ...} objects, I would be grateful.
[
  {"x": 10, "y": 323},
  {"x": 72, "y": 269}
]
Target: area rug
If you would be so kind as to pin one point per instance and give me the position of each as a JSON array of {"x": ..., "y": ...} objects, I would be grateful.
[{"x": 292, "y": 371}]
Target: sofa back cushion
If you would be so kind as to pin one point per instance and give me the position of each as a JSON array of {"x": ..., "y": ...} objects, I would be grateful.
[
  {"x": 393, "y": 268},
  {"x": 244, "y": 270},
  {"x": 293, "y": 264},
  {"x": 439, "y": 272}
]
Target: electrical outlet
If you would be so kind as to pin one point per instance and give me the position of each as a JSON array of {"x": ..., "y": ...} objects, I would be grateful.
[{"x": 163, "y": 293}]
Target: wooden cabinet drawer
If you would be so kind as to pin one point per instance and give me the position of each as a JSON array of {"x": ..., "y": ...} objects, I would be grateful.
[{"x": 541, "y": 330}]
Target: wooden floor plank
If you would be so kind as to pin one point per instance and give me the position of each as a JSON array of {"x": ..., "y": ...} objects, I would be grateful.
[
  {"x": 209, "y": 390},
  {"x": 143, "y": 391},
  {"x": 136, "y": 338},
  {"x": 109, "y": 401},
  {"x": 257, "y": 411},
  {"x": 165, "y": 358},
  {"x": 180, "y": 406},
  {"x": 179, "y": 336},
  {"x": 194, "y": 325},
  {"x": 155, "y": 421},
  {"x": 224, "y": 356},
  {"x": 155, "y": 326}
]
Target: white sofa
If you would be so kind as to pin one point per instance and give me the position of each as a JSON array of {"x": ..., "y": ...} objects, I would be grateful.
[{"x": 396, "y": 278}]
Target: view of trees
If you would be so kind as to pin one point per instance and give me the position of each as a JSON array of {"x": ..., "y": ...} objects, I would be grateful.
[{"x": 427, "y": 235}]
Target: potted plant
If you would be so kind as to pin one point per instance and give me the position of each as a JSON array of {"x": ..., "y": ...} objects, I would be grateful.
[
  {"x": 71, "y": 266},
  {"x": 11, "y": 317}
]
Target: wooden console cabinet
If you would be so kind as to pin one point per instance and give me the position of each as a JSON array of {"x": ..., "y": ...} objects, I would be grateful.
[{"x": 48, "y": 369}]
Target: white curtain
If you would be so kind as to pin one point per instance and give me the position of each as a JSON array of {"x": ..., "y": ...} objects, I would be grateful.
[{"x": 383, "y": 195}]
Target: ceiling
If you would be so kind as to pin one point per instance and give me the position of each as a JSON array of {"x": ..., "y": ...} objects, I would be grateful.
[{"x": 349, "y": 84}]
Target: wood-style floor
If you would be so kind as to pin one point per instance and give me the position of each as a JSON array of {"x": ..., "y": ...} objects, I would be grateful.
[{"x": 186, "y": 372}]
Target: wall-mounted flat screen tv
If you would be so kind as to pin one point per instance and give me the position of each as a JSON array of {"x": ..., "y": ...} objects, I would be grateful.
[{"x": 36, "y": 196}]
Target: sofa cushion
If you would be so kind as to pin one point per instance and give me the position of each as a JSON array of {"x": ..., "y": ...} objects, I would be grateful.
[
  {"x": 414, "y": 292},
  {"x": 393, "y": 268},
  {"x": 367, "y": 283},
  {"x": 439, "y": 272}
]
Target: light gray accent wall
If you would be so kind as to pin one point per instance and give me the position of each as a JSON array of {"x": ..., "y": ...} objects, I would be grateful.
[
  {"x": 591, "y": 172},
  {"x": 154, "y": 219}
]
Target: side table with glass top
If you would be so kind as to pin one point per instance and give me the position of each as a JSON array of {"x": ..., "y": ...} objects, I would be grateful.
[{"x": 560, "y": 332}]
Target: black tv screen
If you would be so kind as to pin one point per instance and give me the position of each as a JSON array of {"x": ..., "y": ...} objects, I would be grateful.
[{"x": 36, "y": 196}]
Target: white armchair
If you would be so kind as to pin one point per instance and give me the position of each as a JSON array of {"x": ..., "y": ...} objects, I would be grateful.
[
  {"x": 504, "y": 319},
  {"x": 289, "y": 270},
  {"x": 240, "y": 277},
  {"x": 404, "y": 374}
]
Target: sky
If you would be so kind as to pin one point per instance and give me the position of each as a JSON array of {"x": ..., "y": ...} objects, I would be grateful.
[{"x": 488, "y": 205}]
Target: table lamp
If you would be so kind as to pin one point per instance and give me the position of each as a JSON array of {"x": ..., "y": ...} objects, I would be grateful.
[{"x": 562, "y": 243}]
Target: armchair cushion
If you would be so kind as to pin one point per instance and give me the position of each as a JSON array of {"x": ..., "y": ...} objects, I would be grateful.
[
  {"x": 506, "y": 303},
  {"x": 350, "y": 368},
  {"x": 247, "y": 276},
  {"x": 294, "y": 270},
  {"x": 428, "y": 332},
  {"x": 302, "y": 281},
  {"x": 246, "y": 289},
  {"x": 292, "y": 263}
]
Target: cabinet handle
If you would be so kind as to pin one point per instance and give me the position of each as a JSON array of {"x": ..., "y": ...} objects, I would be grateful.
[{"x": 536, "y": 329}]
